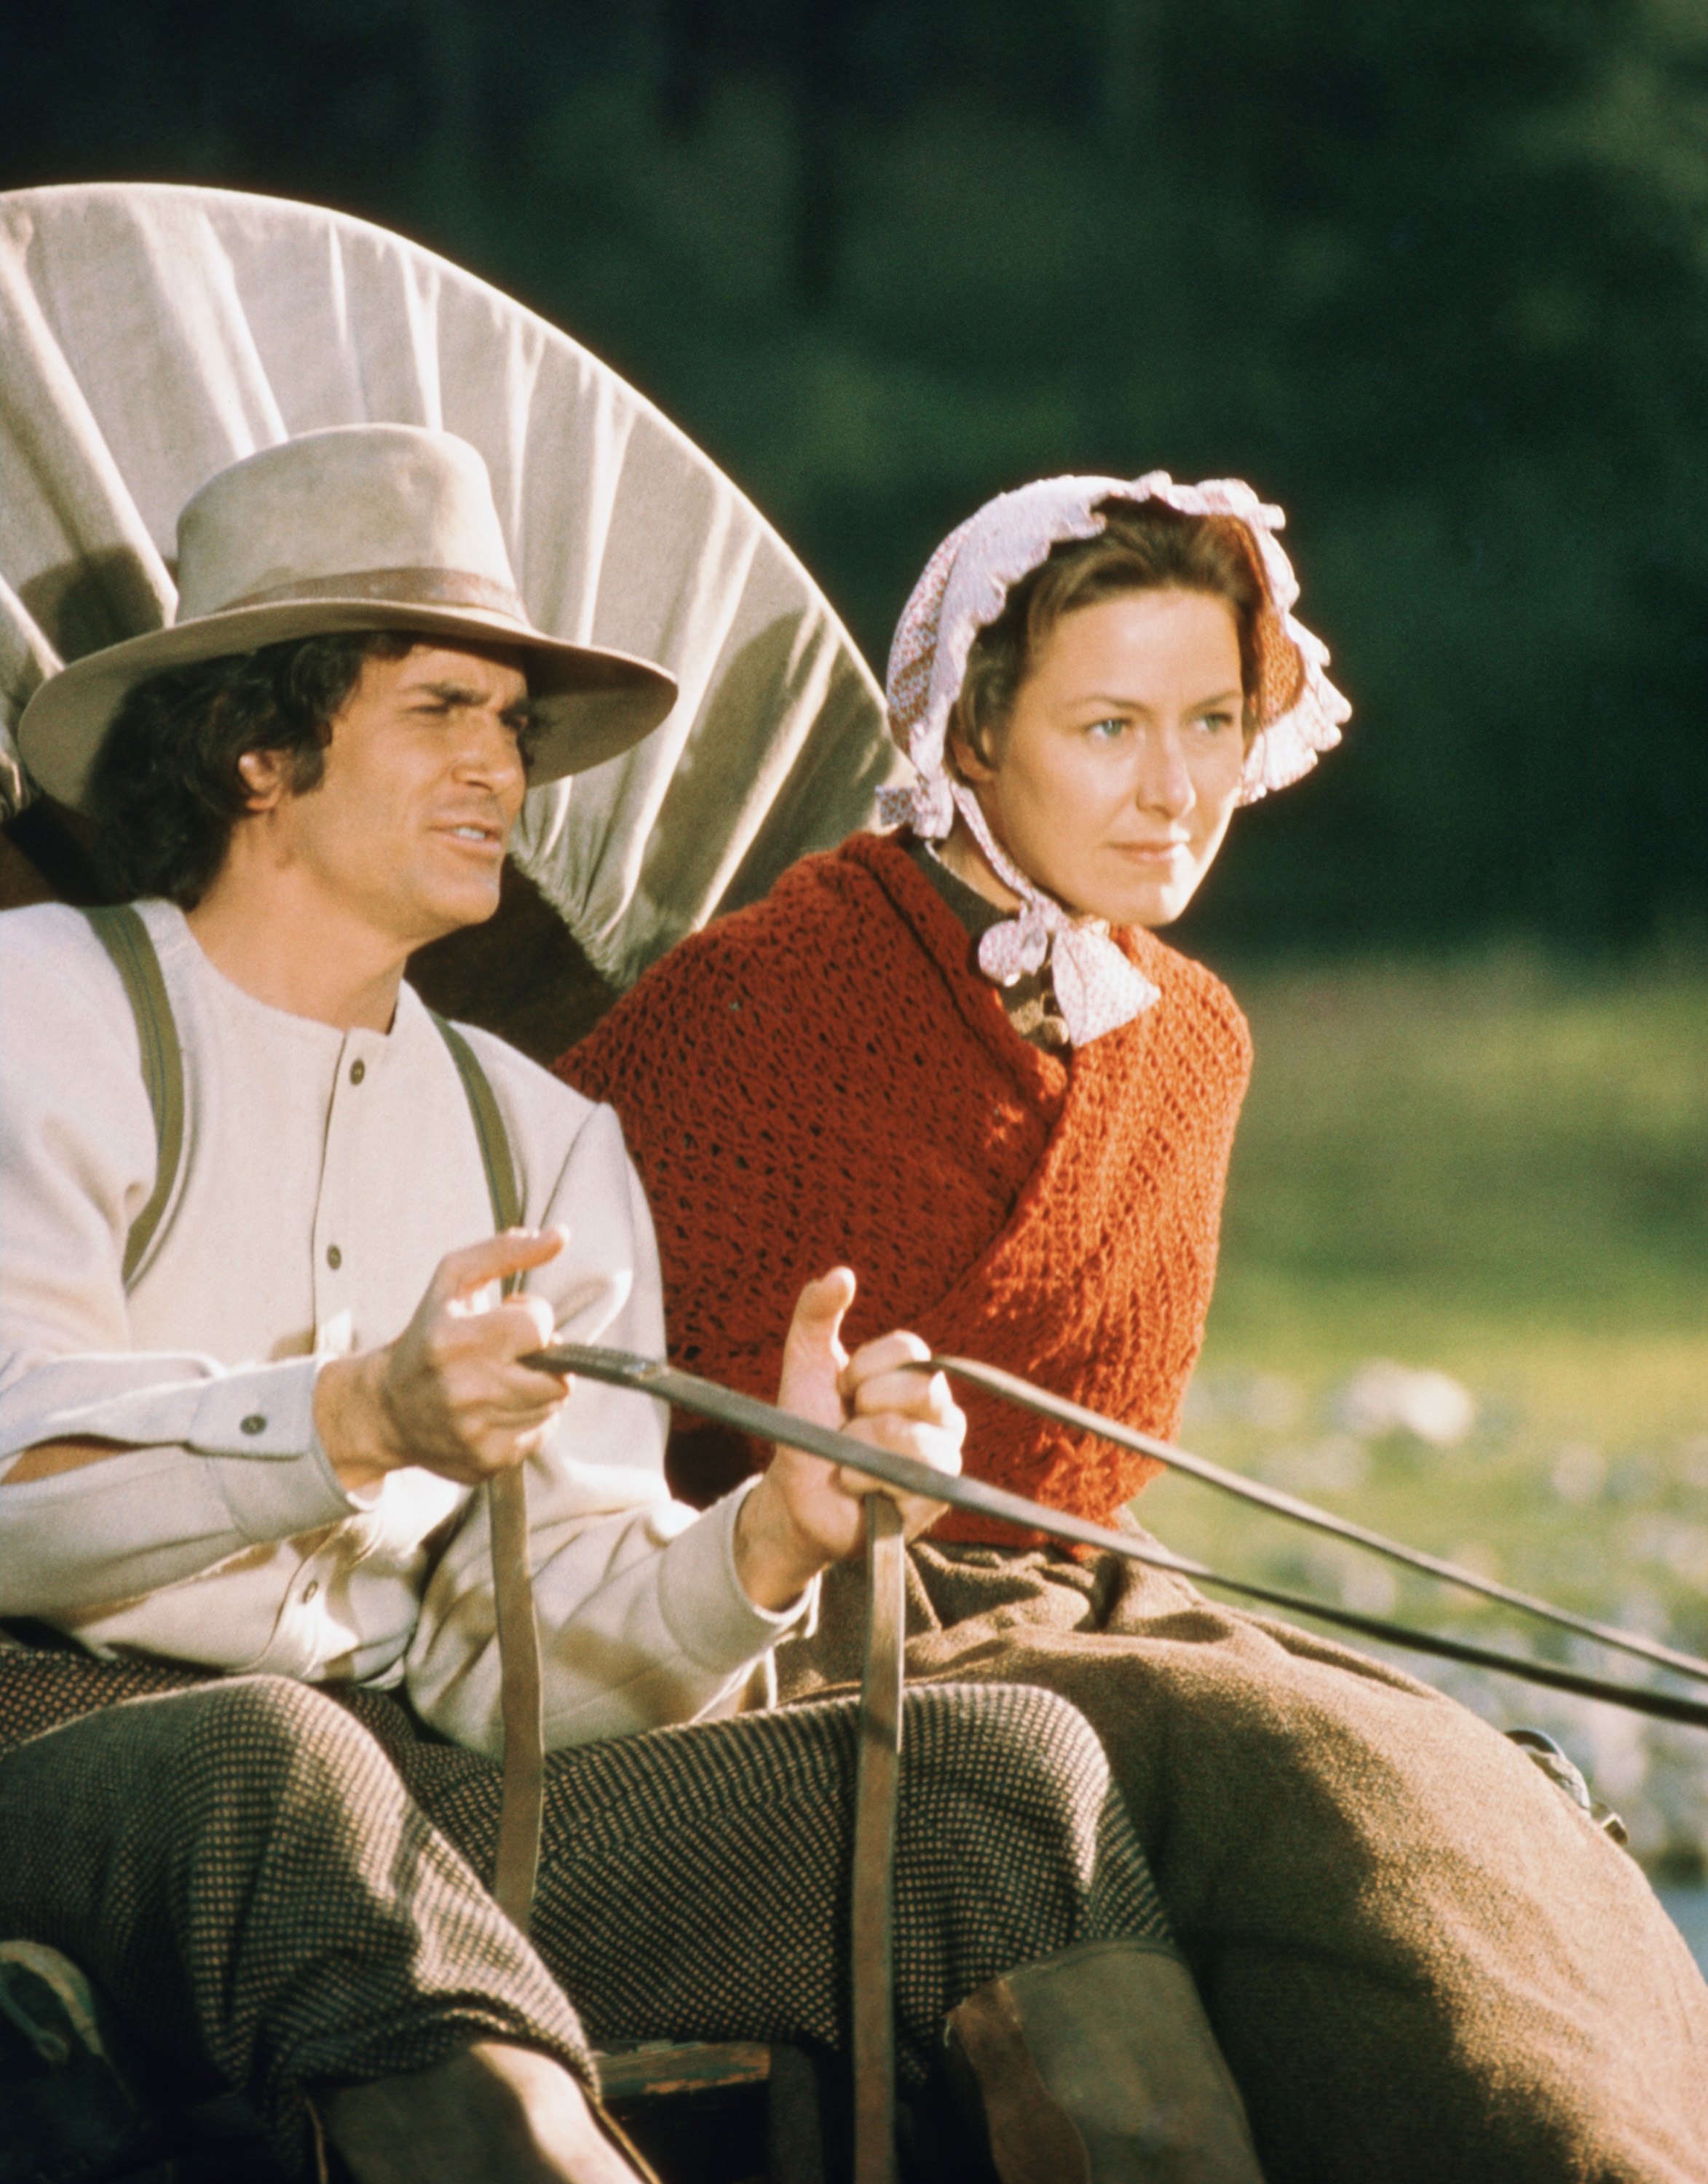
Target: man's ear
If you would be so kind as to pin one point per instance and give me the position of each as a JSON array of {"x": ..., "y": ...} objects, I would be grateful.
[{"x": 266, "y": 776}]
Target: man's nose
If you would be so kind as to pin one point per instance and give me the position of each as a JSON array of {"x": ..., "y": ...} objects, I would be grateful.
[
  {"x": 488, "y": 752},
  {"x": 1164, "y": 783}
]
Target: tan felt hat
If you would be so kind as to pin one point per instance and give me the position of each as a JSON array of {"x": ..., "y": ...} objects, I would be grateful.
[{"x": 358, "y": 527}]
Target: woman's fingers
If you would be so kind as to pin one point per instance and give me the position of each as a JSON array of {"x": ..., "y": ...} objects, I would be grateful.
[
  {"x": 812, "y": 1354},
  {"x": 917, "y": 1514},
  {"x": 462, "y": 1274},
  {"x": 815, "y": 1328}
]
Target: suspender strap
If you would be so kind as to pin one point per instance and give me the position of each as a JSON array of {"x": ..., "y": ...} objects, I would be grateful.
[
  {"x": 488, "y": 1128},
  {"x": 522, "y": 1699},
  {"x": 125, "y": 937}
]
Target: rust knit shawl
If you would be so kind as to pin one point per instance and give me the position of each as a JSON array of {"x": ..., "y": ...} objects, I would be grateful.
[{"x": 825, "y": 1077}]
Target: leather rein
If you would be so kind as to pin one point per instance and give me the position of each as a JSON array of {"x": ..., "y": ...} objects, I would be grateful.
[{"x": 764, "y": 1422}]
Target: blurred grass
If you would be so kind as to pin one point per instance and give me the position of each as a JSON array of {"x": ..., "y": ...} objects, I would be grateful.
[{"x": 1495, "y": 1168}]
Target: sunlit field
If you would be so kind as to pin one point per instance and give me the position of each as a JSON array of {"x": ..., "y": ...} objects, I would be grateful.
[{"x": 1493, "y": 1174}]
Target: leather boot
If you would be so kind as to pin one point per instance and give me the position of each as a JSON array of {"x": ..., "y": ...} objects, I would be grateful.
[{"x": 1098, "y": 2066}]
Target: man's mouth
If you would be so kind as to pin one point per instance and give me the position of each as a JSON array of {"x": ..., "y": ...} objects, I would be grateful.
[{"x": 473, "y": 832}]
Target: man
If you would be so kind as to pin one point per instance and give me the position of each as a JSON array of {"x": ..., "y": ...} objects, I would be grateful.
[{"x": 254, "y": 1362}]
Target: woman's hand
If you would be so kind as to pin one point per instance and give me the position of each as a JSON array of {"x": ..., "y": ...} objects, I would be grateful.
[{"x": 805, "y": 1513}]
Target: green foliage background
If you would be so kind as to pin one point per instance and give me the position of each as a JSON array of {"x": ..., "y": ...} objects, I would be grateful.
[
  {"x": 1493, "y": 1168},
  {"x": 1433, "y": 275}
]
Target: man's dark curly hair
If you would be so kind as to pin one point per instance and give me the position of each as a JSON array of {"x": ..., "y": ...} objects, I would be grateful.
[{"x": 165, "y": 788}]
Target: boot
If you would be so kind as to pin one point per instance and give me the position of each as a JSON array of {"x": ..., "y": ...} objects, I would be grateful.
[
  {"x": 1098, "y": 2066},
  {"x": 70, "y": 2103}
]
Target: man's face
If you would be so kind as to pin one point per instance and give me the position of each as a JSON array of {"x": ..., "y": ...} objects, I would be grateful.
[{"x": 424, "y": 776}]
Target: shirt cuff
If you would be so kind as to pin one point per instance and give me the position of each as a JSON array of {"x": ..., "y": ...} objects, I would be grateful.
[
  {"x": 257, "y": 1427},
  {"x": 702, "y": 1600}
]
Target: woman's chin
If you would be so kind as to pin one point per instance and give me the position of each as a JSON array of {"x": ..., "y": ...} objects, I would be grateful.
[{"x": 1152, "y": 903}]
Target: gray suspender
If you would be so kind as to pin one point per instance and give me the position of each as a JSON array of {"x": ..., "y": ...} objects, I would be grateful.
[
  {"x": 126, "y": 939},
  {"x": 522, "y": 1696}
]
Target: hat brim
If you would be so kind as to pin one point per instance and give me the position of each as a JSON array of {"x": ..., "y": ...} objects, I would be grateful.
[{"x": 593, "y": 704}]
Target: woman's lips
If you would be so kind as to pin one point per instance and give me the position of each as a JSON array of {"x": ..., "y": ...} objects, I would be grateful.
[{"x": 1150, "y": 853}]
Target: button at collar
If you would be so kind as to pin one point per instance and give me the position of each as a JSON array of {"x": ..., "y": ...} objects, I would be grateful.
[{"x": 358, "y": 1070}]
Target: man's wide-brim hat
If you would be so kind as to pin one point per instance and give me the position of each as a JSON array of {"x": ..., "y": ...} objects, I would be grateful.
[{"x": 356, "y": 527}]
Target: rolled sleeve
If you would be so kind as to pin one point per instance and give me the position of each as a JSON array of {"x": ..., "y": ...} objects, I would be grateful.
[
  {"x": 80, "y": 1539},
  {"x": 701, "y": 1601}
]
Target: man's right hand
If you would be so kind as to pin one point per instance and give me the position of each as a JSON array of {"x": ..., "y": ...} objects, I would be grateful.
[{"x": 451, "y": 1393}]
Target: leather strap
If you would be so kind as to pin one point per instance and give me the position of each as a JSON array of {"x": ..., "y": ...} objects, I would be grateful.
[
  {"x": 126, "y": 939},
  {"x": 872, "y": 1896},
  {"x": 522, "y": 1792},
  {"x": 123, "y": 934}
]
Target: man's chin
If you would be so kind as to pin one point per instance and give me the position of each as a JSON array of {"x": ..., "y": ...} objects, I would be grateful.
[{"x": 450, "y": 909}]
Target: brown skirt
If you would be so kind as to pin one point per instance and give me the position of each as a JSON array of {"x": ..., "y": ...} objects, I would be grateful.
[{"x": 1422, "y": 1960}]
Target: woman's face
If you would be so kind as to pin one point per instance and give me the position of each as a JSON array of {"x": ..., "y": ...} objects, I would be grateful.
[{"x": 1119, "y": 767}]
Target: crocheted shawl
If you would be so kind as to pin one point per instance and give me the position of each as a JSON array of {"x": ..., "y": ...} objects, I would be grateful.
[{"x": 826, "y": 1077}]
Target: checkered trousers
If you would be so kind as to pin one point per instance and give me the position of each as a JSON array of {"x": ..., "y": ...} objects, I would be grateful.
[{"x": 278, "y": 1888}]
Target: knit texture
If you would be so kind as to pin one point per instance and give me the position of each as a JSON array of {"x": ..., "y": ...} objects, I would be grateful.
[{"x": 826, "y": 1077}]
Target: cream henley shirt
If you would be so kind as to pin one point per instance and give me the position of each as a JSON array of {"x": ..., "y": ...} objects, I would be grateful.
[{"x": 325, "y": 1174}]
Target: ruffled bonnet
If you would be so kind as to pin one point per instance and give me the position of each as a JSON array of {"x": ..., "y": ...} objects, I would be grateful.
[{"x": 965, "y": 586}]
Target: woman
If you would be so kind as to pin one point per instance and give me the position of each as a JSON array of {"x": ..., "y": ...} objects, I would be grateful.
[{"x": 1421, "y": 1962}]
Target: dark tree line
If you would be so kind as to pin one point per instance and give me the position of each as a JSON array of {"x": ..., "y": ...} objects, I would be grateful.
[{"x": 1435, "y": 275}]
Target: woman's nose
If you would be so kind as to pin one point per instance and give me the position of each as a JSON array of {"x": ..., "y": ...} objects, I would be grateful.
[{"x": 1164, "y": 782}]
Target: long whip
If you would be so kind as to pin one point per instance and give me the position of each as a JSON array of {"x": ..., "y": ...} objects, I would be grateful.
[{"x": 765, "y": 1422}]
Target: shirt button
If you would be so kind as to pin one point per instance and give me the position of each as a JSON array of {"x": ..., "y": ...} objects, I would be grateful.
[
  {"x": 335, "y": 1258},
  {"x": 254, "y": 1424},
  {"x": 358, "y": 1070},
  {"x": 309, "y": 1589}
]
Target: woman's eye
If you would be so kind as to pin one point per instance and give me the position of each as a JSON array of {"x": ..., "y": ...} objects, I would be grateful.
[
  {"x": 1217, "y": 723},
  {"x": 1107, "y": 731}
]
